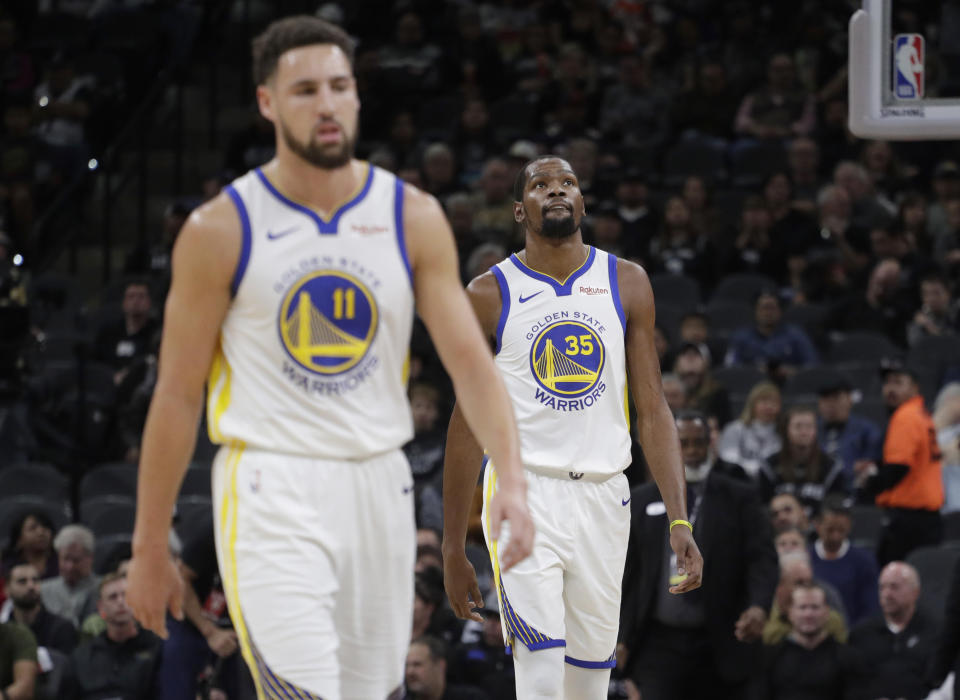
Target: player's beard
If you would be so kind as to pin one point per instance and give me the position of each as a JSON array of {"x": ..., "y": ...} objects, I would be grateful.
[
  {"x": 325, "y": 156},
  {"x": 557, "y": 228}
]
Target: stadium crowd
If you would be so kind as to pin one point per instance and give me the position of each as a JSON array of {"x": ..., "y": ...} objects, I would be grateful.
[{"x": 808, "y": 331}]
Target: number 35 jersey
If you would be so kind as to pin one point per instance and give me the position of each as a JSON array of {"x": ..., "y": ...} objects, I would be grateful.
[
  {"x": 313, "y": 348},
  {"x": 560, "y": 348}
]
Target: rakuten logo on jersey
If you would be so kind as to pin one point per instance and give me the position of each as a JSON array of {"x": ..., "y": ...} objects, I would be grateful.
[
  {"x": 364, "y": 228},
  {"x": 590, "y": 291}
]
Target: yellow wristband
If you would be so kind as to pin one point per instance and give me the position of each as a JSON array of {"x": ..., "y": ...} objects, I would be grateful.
[{"x": 681, "y": 522}]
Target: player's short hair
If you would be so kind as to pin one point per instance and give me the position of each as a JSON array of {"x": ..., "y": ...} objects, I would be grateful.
[
  {"x": 520, "y": 184},
  {"x": 292, "y": 33}
]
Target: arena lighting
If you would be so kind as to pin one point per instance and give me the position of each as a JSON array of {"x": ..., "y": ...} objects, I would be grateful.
[
  {"x": 18, "y": 260},
  {"x": 93, "y": 164},
  {"x": 44, "y": 101}
]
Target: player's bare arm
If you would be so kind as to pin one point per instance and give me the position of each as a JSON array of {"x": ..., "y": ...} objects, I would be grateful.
[
  {"x": 204, "y": 260},
  {"x": 656, "y": 428},
  {"x": 444, "y": 308},
  {"x": 462, "y": 461}
]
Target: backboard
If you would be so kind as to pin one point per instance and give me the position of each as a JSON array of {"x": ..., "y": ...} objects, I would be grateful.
[{"x": 901, "y": 73}]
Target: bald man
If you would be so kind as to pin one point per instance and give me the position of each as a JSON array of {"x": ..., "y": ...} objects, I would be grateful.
[{"x": 898, "y": 642}]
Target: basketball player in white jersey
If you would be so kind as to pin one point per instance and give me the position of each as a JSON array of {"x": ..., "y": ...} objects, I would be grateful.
[
  {"x": 292, "y": 298},
  {"x": 569, "y": 324}
]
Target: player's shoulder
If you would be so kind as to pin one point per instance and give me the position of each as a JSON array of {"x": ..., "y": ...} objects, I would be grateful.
[
  {"x": 216, "y": 218},
  {"x": 484, "y": 295},
  {"x": 418, "y": 203},
  {"x": 630, "y": 272}
]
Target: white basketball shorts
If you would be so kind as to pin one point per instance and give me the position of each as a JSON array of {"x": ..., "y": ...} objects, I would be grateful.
[
  {"x": 316, "y": 558},
  {"x": 567, "y": 592}
]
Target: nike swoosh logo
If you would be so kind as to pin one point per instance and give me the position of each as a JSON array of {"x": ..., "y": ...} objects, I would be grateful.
[
  {"x": 408, "y": 489},
  {"x": 280, "y": 234},
  {"x": 626, "y": 501},
  {"x": 524, "y": 299}
]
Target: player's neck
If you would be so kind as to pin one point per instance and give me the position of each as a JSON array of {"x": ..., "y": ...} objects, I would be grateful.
[
  {"x": 554, "y": 257},
  {"x": 320, "y": 189}
]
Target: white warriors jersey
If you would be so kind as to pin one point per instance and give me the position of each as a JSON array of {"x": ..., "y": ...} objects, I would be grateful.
[
  {"x": 560, "y": 349},
  {"x": 313, "y": 350}
]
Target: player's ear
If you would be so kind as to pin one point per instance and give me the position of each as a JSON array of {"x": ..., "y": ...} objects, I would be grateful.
[
  {"x": 265, "y": 102},
  {"x": 518, "y": 214}
]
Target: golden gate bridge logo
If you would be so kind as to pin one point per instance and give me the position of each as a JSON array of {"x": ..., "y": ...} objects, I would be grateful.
[
  {"x": 327, "y": 322},
  {"x": 567, "y": 358}
]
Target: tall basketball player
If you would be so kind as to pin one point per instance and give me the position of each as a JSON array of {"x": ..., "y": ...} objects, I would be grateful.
[
  {"x": 570, "y": 324},
  {"x": 292, "y": 298}
]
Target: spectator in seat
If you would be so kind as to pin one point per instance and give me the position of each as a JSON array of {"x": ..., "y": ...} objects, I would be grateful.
[
  {"x": 946, "y": 418},
  {"x": 426, "y": 674},
  {"x": 493, "y": 219},
  {"x": 680, "y": 248},
  {"x": 708, "y": 110},
  {"x": 781, "y": 109},
  {"x": 753, "y": 437},
  {"x": 801, "y": 467},
  {"x": 811, "y": 663},
  {"x": 909, "y": 482},
  {"x": 18, "y": 661},
  {"x": 787, "y": 513},
  {"x": 796, "y": 571},
  {"x": 848, "y": 568},
  {"x": 639, "y": 219},
  {"x": 790, "y": 540},
  {"x": 703, "y": 392},
  {"x": 31, "y": 540},
  {"x": 717, "y": 630},
  {"x": 72, "y": 594},
  {"x": 486, "y": 663},
  {"x": 868, "y": 209},
  {"x": 898, "y": 642},
  {"x": 425, "y": 453},
  {"x": 121, "y": 343},
  {"x": 850, "y": 438},
  {"x": 752, "y": 250},
  {"x": 937, "y": 315},
  {"x": 946, "y": 187},
  {"x": 803, "y": 163},
  {"x": 122, "y": 661},
  {"x": 49, "y": 630},
  {"x": 946, "y": 657},
  {"x": 879, "y": 308},
  {"x": 674, "y": 391},
  {"x": 439, "y": 169},
  {"x": 769, "y": 344}
]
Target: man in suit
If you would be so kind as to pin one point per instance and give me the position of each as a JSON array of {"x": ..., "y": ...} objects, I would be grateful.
[{"x": 663, "y": 636}]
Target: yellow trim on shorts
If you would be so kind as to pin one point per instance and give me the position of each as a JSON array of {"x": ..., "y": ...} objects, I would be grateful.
[
  {"x": 494, "y": 559},
  {"x": 228, "y": 529},
  {"x": 626, "y": 402},
  {"x": 218, "y": 401}
]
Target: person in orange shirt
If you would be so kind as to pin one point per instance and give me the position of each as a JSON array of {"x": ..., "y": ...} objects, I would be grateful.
[{"x": 908, "y": 484}]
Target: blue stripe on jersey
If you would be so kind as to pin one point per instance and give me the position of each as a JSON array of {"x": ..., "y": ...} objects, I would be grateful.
[
  {"x": 246, "y": 241},
  {"x": 615, "y": 290},
  {"x": 326, "y": 227},
  {"x": 398, "y": 227},
  {"x": 609, "y": 663},
  {"x": 565, "y": 288},
  {"x": 504, "y": 305}
]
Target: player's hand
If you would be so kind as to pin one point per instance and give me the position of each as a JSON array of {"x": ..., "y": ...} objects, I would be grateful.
[
  {"x": 509, "y": 504},
  {"x": 222, "y": 642},
  {"x": 689, "y": 560},
  {"x": 154, "y": 586},
  {"x": 460, "y": 581},
  {"x": 749, "y": 628}
]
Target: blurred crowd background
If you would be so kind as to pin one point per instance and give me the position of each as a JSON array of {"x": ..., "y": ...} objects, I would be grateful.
[{"x": 806, "y": 282}]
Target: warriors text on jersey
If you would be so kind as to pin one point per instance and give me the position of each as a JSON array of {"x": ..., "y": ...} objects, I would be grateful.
[
  {"x": 560, "y": 348},
  {"x": 313, "y": 348}
]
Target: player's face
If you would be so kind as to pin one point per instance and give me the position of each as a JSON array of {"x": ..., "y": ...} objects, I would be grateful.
[
  {"x": 552, "y": 204},
  {"x": 312, "y": 101}
]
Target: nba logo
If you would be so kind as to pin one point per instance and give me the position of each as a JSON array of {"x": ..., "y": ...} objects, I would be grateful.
[{"x": 908, "y": 66}]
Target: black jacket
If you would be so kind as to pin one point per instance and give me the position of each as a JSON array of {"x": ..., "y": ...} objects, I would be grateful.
[
  {"x": 946, "y": 656},
  {"x": 897, "y": 663},
  {"x": 740, "y": 567},
  {"x": 128, "y": 670}
]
